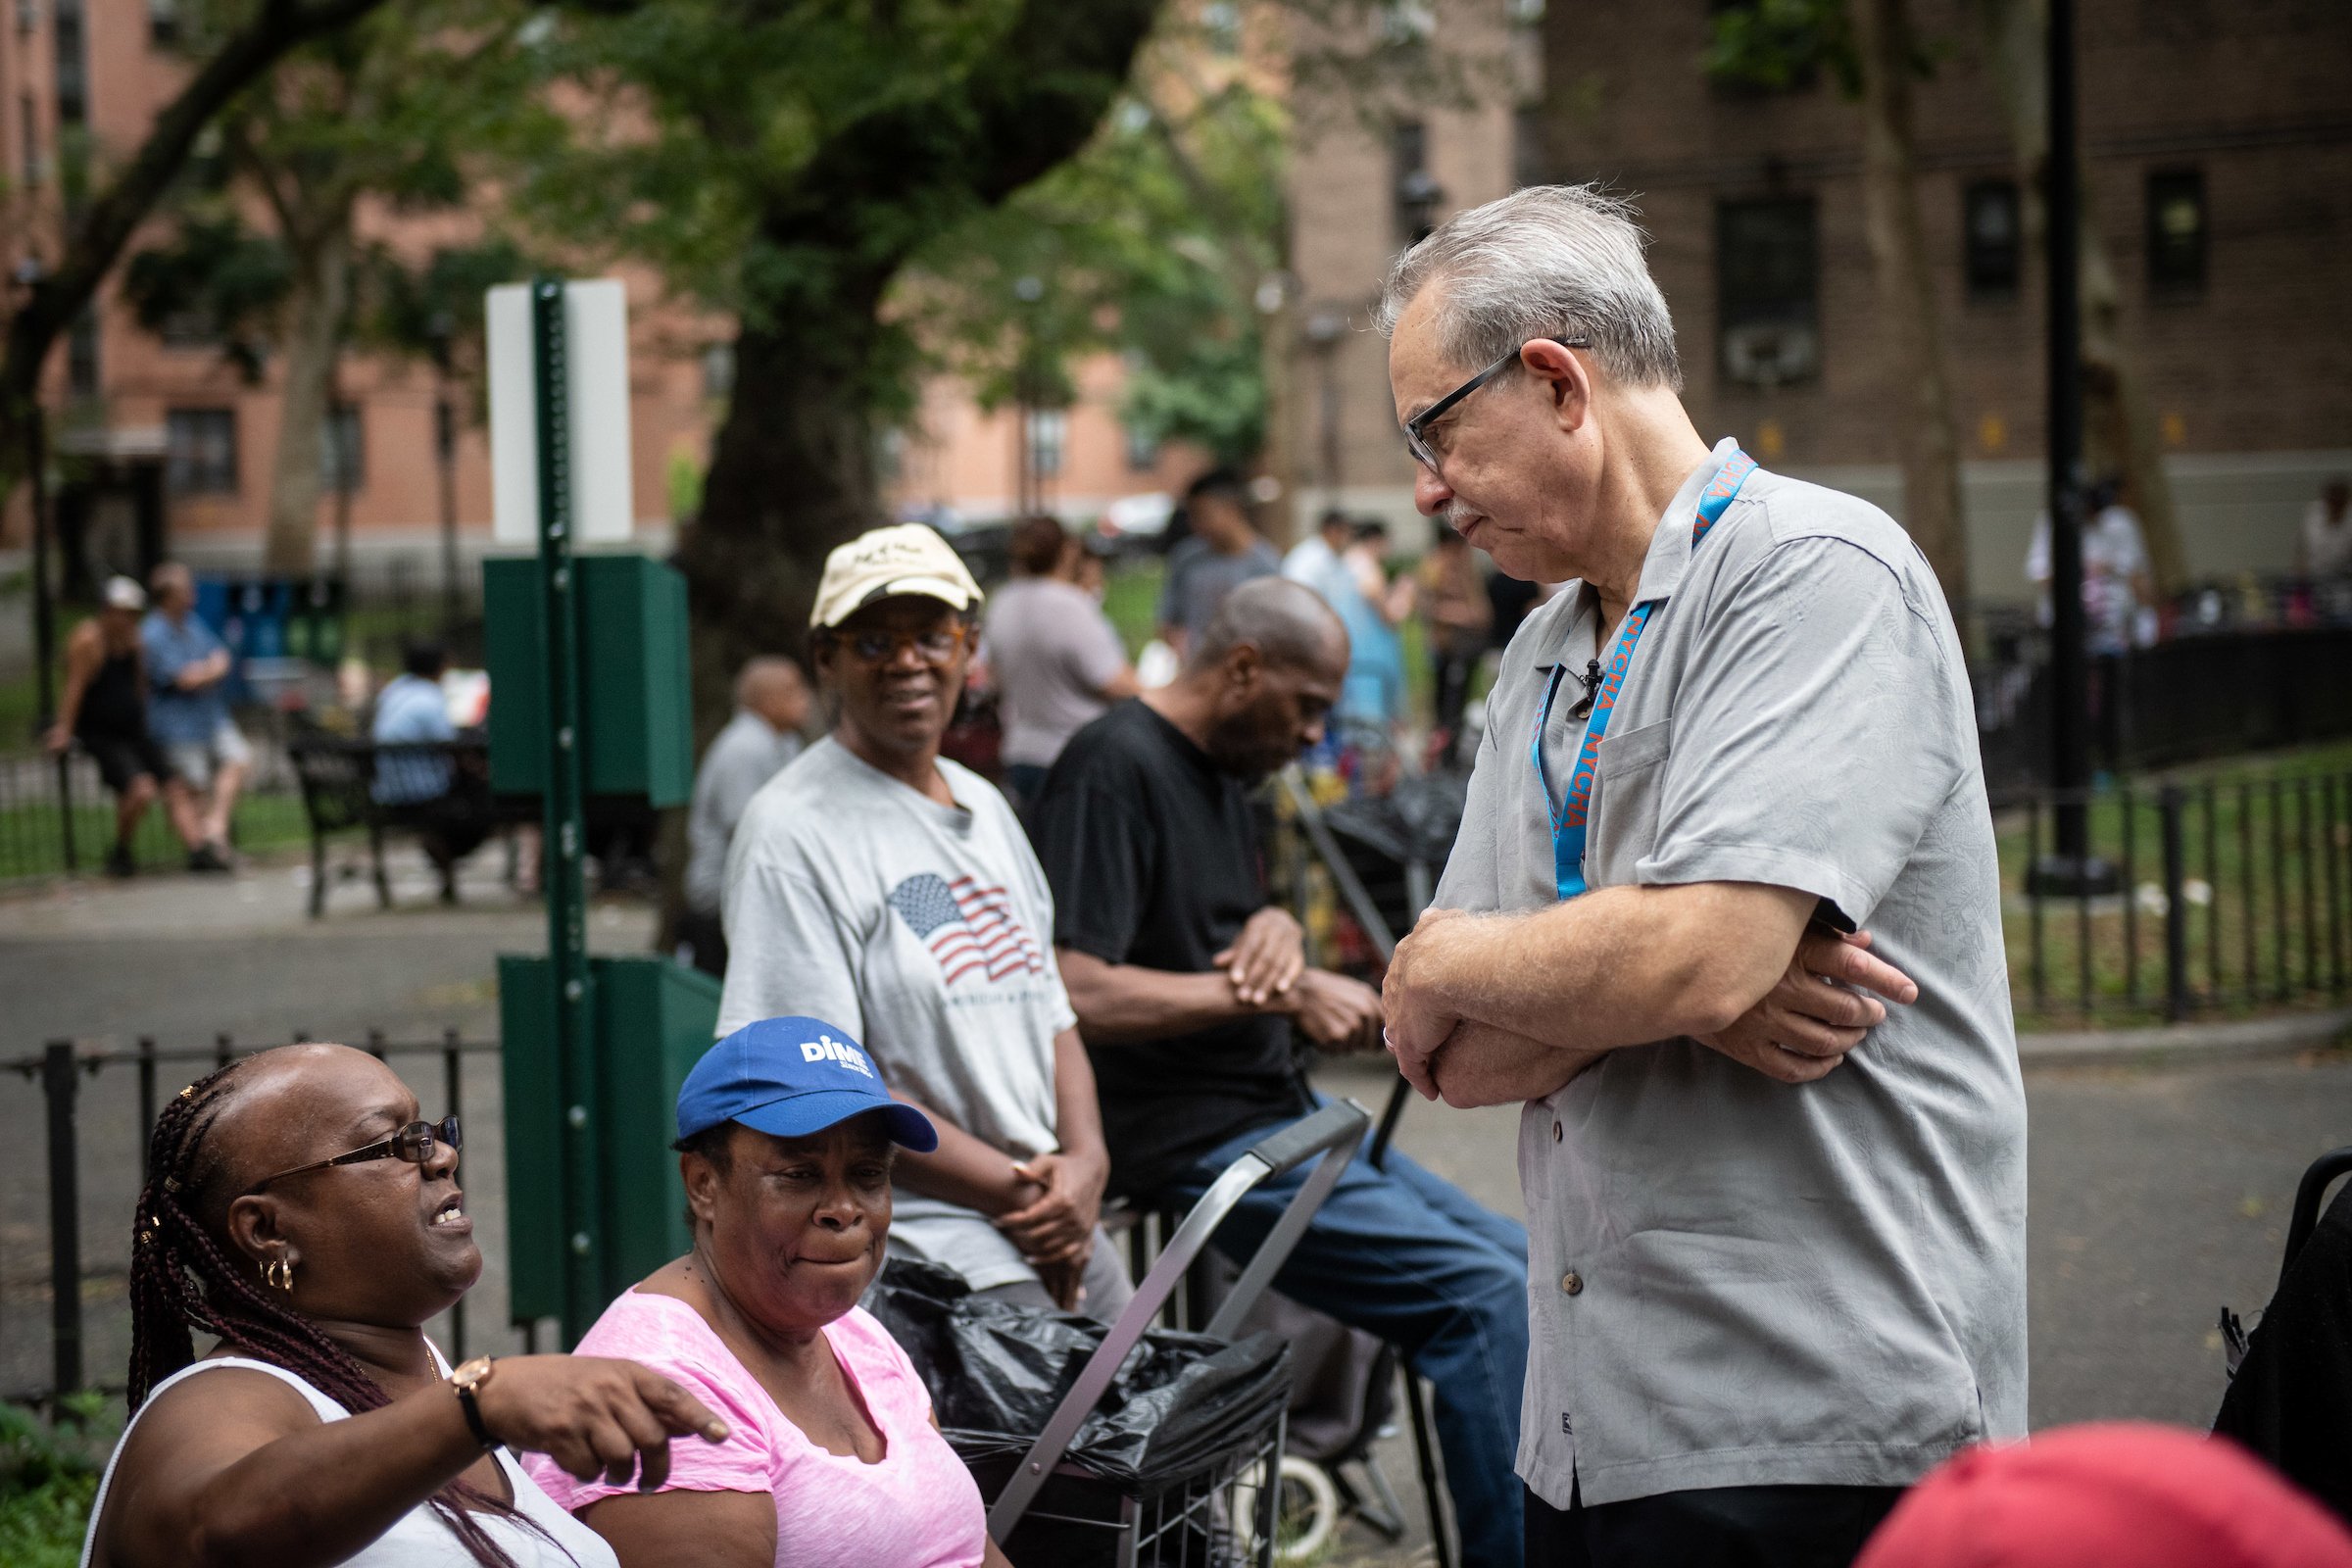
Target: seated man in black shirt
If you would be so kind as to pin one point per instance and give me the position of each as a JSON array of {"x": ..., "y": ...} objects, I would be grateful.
[{"x": 1187, "y": 987}]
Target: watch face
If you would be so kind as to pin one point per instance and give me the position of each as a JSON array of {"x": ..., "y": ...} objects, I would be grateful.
[{"x": 472, "y": 1373}]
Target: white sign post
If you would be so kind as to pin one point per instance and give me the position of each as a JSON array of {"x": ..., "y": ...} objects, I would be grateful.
[{"x": 596, "y": 331}]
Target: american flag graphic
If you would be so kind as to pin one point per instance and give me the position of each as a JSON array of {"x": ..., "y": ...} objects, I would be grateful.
[{"x": 970, "y": 929}]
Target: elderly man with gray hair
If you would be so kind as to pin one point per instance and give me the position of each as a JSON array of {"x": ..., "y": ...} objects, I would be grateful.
[
  {"x": 1777, "y": 1228},
  {"x": 772, "y": 705}
]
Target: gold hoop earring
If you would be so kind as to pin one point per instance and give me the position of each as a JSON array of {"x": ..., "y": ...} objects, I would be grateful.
[{"x": 279, "y": 1274}]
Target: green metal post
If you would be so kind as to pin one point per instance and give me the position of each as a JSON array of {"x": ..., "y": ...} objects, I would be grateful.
[{"x": 566, "y": 824}]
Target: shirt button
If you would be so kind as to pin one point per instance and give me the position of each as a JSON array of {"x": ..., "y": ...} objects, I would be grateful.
[
  {"x": 1571, "y": 1283},
  {"x": 1556, "y": 1132}
]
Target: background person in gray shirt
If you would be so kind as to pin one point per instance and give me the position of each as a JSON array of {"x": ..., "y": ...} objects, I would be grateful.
[
  {"x": 1771, "y": 1283},
  {"x": 772, "y": 703},
  {"x": 1220, "y": 554},
  {"x": 1054, "y": 655}
]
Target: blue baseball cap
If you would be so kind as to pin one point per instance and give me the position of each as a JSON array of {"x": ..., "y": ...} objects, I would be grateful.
[{"x": 789, "y": 1077}]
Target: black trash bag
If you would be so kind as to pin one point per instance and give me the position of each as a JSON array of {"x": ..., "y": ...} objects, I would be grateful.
[{"x": 996, "y": 1371}]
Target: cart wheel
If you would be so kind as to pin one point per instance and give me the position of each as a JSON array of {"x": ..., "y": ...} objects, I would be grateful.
[{"x": 1306, "y": 1511}]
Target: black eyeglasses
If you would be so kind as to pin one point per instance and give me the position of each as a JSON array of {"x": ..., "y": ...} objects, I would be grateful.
[
  {"x": 1417, "y": 443},
  {"x": 414, "y": 1143}
]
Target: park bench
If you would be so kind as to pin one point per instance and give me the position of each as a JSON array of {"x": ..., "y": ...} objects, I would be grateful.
[{"x": 338, "y": 775}]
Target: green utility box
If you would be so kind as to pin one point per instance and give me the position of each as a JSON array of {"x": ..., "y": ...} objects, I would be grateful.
[
  {"x": 651, "y": 1021},
  {"x": 636, "y": 697}
]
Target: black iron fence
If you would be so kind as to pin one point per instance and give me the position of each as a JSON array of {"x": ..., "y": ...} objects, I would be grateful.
[
  {"x": 91, "y": 1158},
  {"x": 2224, "y": 895},
  {"x": 57, "y": 818}
]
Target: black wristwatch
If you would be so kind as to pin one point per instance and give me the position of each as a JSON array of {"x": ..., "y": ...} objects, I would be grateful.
[{"x": 467, "y": 1379}]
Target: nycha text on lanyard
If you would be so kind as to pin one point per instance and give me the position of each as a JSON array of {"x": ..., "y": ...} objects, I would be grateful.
[{"x": 1570, "y": 819}]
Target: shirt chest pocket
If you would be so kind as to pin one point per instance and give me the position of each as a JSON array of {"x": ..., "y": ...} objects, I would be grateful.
[{"x": 1628, "y": 775}]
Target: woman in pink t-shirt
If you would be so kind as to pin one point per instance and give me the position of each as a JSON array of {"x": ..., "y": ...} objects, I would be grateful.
[{"x": 833, "y": 1458}]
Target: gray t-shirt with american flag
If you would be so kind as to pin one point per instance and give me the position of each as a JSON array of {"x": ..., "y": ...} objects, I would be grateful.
[{"x": 926, "y": 932}]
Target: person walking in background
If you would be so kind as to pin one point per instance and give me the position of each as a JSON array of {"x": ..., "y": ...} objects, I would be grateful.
[
  {"x": 443, "y": 796},
  {"x": 1314, "y": 559},
  {"x": 2116, "y": 581},
  {"x": 2325, "y": 547},
  {"x": 1056, "y": 656},
  {"x": 1221, "y": 553},
  {"x": 187, "y": 713},
  {"x": 1460, "y": 618},
  {"x": 771, "y": 707},
  {"x": 2118, "y": 597},
  {"x": 1372, "y": 609},
  {"x": 104, "y": 706}
]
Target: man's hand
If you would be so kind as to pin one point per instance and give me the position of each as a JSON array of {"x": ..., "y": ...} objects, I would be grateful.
[
  {"x": 1334, "y": 1011},
  {"x": 1415, "y": 1027},
  {"x": 1266, "y": 959},
  {"x": 1806, "y": 1023},
  {"x": 1059, "y": 1224},
  {"x": 56, "y": 738}
]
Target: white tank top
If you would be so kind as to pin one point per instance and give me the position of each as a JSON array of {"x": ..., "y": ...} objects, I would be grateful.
[{"x": 418, "y": 1538}]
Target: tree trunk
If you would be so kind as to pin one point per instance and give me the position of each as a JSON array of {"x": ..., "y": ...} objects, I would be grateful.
[
  {"x": 317, "y": 313},
  {"x": 2118, "y": 424},
  {"x": 791, "y": 471},
  {"x": 1931, "y": 448}
]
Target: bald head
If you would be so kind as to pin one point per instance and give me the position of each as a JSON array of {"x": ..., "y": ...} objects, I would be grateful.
[
  {"x": 1287, "y": 622},
  {"x": 772, "y": 687}
]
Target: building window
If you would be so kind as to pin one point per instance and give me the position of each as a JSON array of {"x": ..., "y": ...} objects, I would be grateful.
[
  {"x": 2177, "y": 232},
  {"x": 162, "y": 22},
  {"x": 1142, "y": 451},
  {"x": 1528, "y": 163},
  {"x": 343, "y": 450},
  {"x": 200, "y": 451},
  {"x": 1415, "y": 194},
  {"x": 72, "y": 80},
  {"x": 1767, "y": 290},
  {"x": 81, "y": 354},
  {"x": 718, "y": 370},
  {"x": 1049, "y": 436},
  {"x": 29, "y": 125},
  {"x": 1992, "y": 244},
  {"x": 890, "y": 455}
]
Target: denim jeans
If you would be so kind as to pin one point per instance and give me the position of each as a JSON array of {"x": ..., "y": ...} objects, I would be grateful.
[{"x": 1414, "y": 1260}]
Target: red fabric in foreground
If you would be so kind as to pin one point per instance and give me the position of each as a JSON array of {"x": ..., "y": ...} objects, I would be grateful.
[{"x": 2108, "y": 1495}]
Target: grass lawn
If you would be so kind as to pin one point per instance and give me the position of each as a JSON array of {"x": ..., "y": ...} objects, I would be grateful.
[
  {"x": 2267, "y": 880},
  {"x": 32, "y": 842}
]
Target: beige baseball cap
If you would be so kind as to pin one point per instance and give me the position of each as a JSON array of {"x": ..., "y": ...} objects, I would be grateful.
[
  {"x": 906, "y": 558},
  {"x": 122, "y": 593}
]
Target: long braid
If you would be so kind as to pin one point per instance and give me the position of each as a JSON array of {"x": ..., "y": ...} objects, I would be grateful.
[{"x": 181, "y": 1282}]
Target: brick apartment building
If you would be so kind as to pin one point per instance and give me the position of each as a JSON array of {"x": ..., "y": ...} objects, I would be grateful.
[
  {"x": 2220, "y": 157},
  {"x": 160, "y": 445},
  {"x": 2218, "y": 148}
]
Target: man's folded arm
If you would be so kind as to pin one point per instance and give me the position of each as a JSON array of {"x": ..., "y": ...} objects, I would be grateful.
[
  {"x": 1480, "y": 1064},
  {"x": 1618, "y": 966}
]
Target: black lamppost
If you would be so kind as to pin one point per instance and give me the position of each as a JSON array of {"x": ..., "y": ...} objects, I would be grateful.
[
  {"x": 2072, "y": 867},
  {"x": 440, "y": 330}
]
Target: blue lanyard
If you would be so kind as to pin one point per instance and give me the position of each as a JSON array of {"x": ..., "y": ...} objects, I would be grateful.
[{"x": 1571, "y": 818}]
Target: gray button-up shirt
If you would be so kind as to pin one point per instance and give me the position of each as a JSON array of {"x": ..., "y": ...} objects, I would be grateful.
[{"x": 1734, "y": 1281}]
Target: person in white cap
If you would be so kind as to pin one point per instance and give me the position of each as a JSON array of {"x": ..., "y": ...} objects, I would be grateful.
[
  {"x": 104, "y": 708},
  {"x": 891, "y": 890}
]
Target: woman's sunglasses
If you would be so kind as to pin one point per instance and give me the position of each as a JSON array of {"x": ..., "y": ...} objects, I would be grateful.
[{"x": 414, "y": 1143}]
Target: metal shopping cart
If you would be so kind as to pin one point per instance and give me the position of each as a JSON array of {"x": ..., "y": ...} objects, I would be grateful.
[{"x": 1096, "y": 1484}]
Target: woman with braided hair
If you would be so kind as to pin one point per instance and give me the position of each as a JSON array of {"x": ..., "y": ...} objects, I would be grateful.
[{"x": 299, "y": 1212}]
